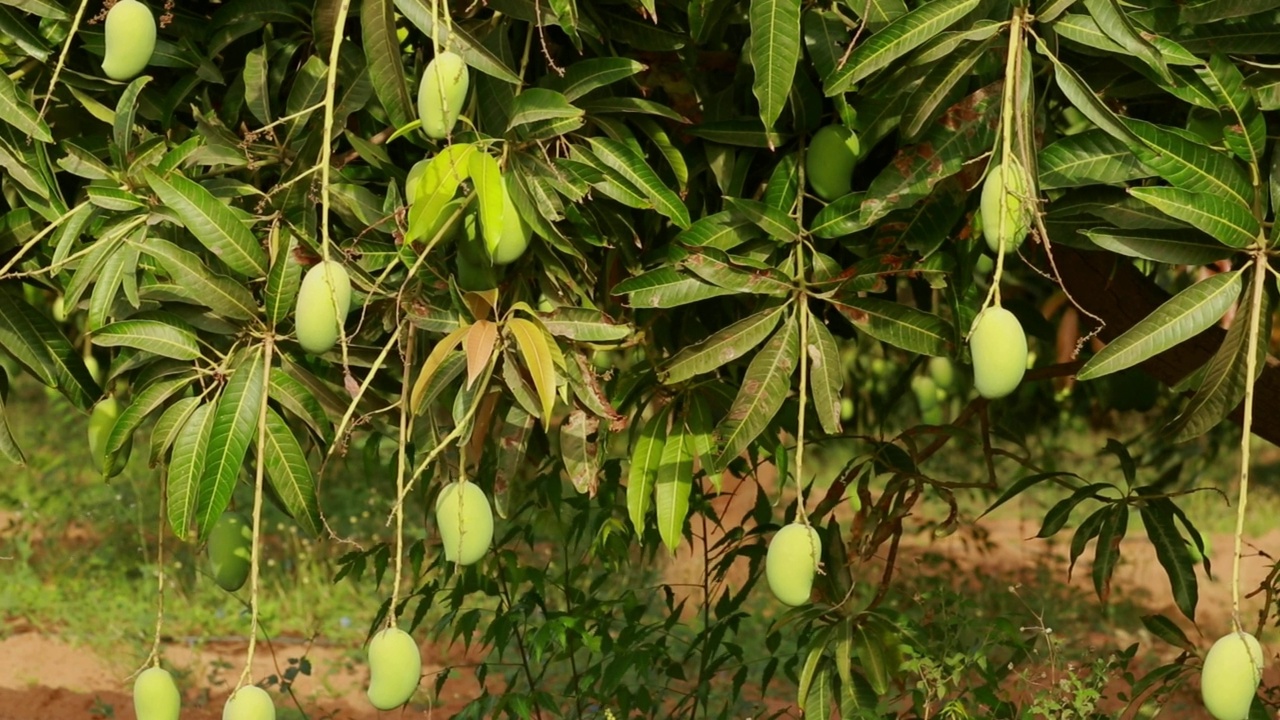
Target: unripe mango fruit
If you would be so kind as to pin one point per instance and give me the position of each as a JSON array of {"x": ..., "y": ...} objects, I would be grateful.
[
  {"x": 442, "y": 93},
  {"x": 1002, "y": 198},
  {"x": 829, "y": 161},
  {"x": 792, "y": 562},
  {"x": 323, "y": 301},
  {"x": 249, "y": 703},
  {"x": 999, "y": 348},
  {"x": 395, "y": 667},
  {"x": 466, "y": 522},
  {"x": 155, "y": 696},
  {"x": 131, "y": 39},
  {"x": 942, "y": 372},
  {"x": 231, "y": 550},
  {"x": 926, "y": 392},
  {"x": 1231, "y": 674},
  {"x": 101, "y": 420},
  {"x": 515, "y": 234}
]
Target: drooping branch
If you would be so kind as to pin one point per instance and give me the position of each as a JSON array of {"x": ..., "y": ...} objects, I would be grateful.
[{"x": 1116, "y": 292}]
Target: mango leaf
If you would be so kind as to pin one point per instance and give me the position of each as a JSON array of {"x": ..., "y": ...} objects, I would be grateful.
[
  {"x": 1107, "y": 550},
  {"x": 186, "y": 467},
  {"x": 1180, "y": 318},
  {"x": 941, "y": 84},
  {"x": 673, "y": 484},
  {"x": 642, "y": 471},
  {"x": 1246, "y": 132},
  {"x": 1112, "y": 21},
  {"x": 234, "y": 425},
  {"x": 1225, "y": 376},
  {"x": 1086, "y": 100},
  {"x": 1168, "y": 631},
  {"x": 764, "y": 388},
  {"x": 457, "y": 39},
  {"x": 722, "y": 347},
  {"x": 1190, "y": 165},
  {"x": 775, "y": 50},
  {"x": 537, "y": 360},
  {"x": 1171, "y": 551},
  {"x": 478, "y": 346},
  {"x": 899, "y": 325},
  {"x": 1089, "y": 158},
  {"x": 665, "y": 287},
  {"x": 19, "y": 113},
  {"x": 171, "y": 339},
  {"x": 842, "y": 216},
  {"x": 222, "y": 294},
  {"x": 150, "y": 399},
  {"x": 896, "y": 40},
  {"x": 290, "y": 475},
  {"x": 299, "y": 401},
  {"x": 826, "y": 375},
  {"x": 825, "y": 37},
  {"x": 584, "y": 325},
  {"x": 382, "y": 57},
  {"x": 873, "y": 657},
  {"x": 167, "y": 426},
  {"x": 740, "y": 132},
  {"x": 580, "y": 443},
  {"x": 211, "y": 222},
  {"x": 719, "y": 269},
  {"x": 513, "y": 443},
  {"x": 257, "y": 93},
  {"x": 1212, "y": 11},
  {"x": 1086, "y": 531},
  {"x": 776, "y": 223},
  {"x": 1176, "y": 247},
  {"x": 491, "y": 194},
  {"x": 41, "y": 348},
  {"x": 584, "y": 76},
  {"x": 631, "y": 166},
  {"x": 1225, "y": 219},
  {"x": 538, "y": 105},
  {"x": 432, "y": 364}
]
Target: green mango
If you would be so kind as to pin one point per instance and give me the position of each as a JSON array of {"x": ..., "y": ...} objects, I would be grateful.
[
  {"x": 830, "y": 160},
  {"x": 395, "y": 668},
  {"x": 792, "y": 562},
  {"x": 465, "y": 520},
  {"x": 231, "y": 550},
  {"x": 156, "y": 696},
  {"x": 130, "y": 31},
  {"x": 442, "y": 93},
  {"x": 324, "y": 299},
  {"x": 999, "y": 348}
]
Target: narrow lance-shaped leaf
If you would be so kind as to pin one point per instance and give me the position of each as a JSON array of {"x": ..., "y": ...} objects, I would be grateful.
[
  {"x": 897, "y": 39},
  {"x": 580, "y": 446},
  {"x": 19, "y": 113},
  {"x": 1089, "y": 158},
  {"x": 150, "y": 399},
  {"x": 673, "y": 485},
  {"x": 631, "y": 166},
  {"x": 235, "y": 423},
  {"x": 212, "y": 223},
  {"x": 1171, "y": 552},
  {"x": 643, "y": 468},
  {"x": 167, "y": 339},
  {"x": 285, "y": 276},
  {"x": 899, "y": 325},
  {"x": 290, "y": 474},
  {"x": 186, "y": 466},
  {"x": 382, "y": 54},
  {"x": 1180, "y": 318},
  {"x": 224, "y": 295},
  {"x": 721, "y": 347},
  {"x": 1107, "y": 549},
  {"x": 1227, "y": 220},
  {"x": 537, "y": 360},
  {"x": 775, "y": 50},
  {"x": 456, "y": 38},
  {"x": 491, "y": 192},
  {"x": 168, "y": 425},
  {"x": 826, "y": 375},
  {"x": 764, "y": 388}
]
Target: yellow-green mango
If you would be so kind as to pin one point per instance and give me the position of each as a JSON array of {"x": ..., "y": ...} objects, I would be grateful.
[
  {"x": 1001, "y": 194},
  {"x": 515, "y": 234},
  {"x": 249, "y": 703},
  {"x": 792, "y": 562},
  {"x": 1231, "y": 674},
  {"x": 231, "y": 550},
  {"x": 101, "y": 421},
  {"x": 441, "y": 94},
  {"x": 942, "y": 372},
  {"x": 323, "y": 301},
  {"x": 999, "y": 348},
  {"x": 130, "y": 39},
  {"x": 395, "y": 667},
  {"x": 466, "y": 522},
  {"x": 155, "y": 696},
  {"x": 926, "y": 392},
  {"x": 829, "y": 161}
]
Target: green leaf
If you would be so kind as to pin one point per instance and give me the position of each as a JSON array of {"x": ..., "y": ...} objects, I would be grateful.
[
  {"x": 873, "y": 657},
  {"x": 723, "y": 230},
  {"x": 19, "y": 113},
  {"x": 167, "y": 339},
  {"x": 186, "y": 467},
  {"x": 299, "y": 401},
  {"x": 764, "y": 388},
  {"x": 742, "y": 132},
  {"x": 1090, "y": 158},
  {"x": 40, "y": 347},
  {"x": 1165, "y": 629},
  {"x": 1212, "y": 11},
  {"x": 222, "y": 294},
  {"x": 257, "y": 84},
  {"x": 899, "y": 325},
  {"x": 899, "y": 38},
  {"x": 825, "y": 38},
  {"x": 513, "y": 444},
  {"x": 235, "y": 423},
  {"x": 1246, "y": 131},
  {"x": 284, "y": 278},
  {"x": 8, "y": 446},
  {"x": 723, "y": 346},
  {"x": 150, "y": 399},
  {"x": 1176, "y": 247},
  {"x": 539, "y": 104},
  {"x": 940, "y": 85},
  {"x": 1022, "y": 485},
  {"x": 1225, "y": 219},
  {"x": 584, "y": 325},
  {"x": 212, "y": 222},
  {"x": 701, "y": 428},
  {"x": 1086, "y": 100},
  {"x": 1191, "y": 165},
  {"x": 719, "y": 269},
  {"x": 457, "y": 39},
  {"x": 168, "y": 425},
  {"x": 1180, "y": 318},
  {"x": 1171, "y": 551},
  {"x": 1225, "y": 376},
  {"x": 290, "y": 475},
  {"x": 491, "y": 194},
  {"x": 1112, "y": 21},
  {"x": 673, "y": 483},
  {"x": 775, "y": 51},
  {"x": 631, "y": 166},
  {"x": 826, "y": 375},
  {"x": 664, "y": 287},
  {"x": 642, "y": 472},
  {"x": 1107, "y": 551},
  {"x": 584, "y": 76},
  {"x": 1087, "y": 530},
  {"x": 776, "y": 223},
  {"x": 382, "y": 55},
  {"x": 580, "y": 447}
]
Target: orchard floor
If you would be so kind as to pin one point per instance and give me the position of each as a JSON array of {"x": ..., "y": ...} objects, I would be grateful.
[{"x": 42, "y": 677}]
